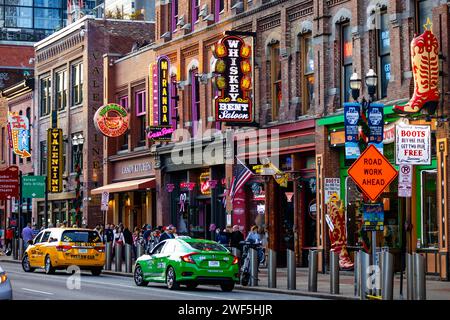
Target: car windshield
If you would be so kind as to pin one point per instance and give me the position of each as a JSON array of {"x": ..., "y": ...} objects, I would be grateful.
[
  {"x": 80, "y": 236},
  {"x": 205, "y": 246}
]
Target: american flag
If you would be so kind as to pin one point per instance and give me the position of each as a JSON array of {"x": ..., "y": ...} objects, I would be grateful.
[{"x": 240, "y": 177}]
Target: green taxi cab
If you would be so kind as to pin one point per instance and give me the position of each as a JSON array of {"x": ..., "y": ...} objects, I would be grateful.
[{"x": 190, "y": 262}]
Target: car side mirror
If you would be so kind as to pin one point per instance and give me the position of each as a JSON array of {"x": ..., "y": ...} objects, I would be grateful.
[{"x": 30, "y": 242}]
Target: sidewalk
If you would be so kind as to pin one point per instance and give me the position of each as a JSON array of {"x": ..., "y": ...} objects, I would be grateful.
[{"x": 436, "y": 290}]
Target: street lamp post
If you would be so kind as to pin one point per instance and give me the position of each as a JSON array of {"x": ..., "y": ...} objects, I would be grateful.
[
  {"x": 355, "y": 85},
  {"x": 77, "y": 142}
]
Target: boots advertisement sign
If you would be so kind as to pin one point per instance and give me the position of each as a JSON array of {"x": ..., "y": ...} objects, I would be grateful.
[
  {"x": 234, "y": 81},
  {"x": 425, "y": 68},
  {"x": 413, "y": 144}
]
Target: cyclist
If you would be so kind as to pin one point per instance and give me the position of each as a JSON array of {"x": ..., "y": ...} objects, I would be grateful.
[{"x": 254, "y": 238}]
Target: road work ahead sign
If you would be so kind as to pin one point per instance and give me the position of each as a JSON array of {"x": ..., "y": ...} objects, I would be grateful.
[{"x": 372, "y": 172}]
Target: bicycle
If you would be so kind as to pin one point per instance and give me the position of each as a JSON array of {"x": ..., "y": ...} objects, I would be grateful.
[{"x": 245, "y": 270}]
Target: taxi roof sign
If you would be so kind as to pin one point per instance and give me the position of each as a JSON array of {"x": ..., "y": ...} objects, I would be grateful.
[{"x": 372, "y": 172}]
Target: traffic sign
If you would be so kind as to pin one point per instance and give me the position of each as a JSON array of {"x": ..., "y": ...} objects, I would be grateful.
[
  {"x": 9, "y": 183},
  {"x": 33, "y": 186},
  {"x": 372, "y": 172}
]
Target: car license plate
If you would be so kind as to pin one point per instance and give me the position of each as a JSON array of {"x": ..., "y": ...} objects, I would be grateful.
[
  {"x": 82, "y": 250},
  {"x": 214, "y": 264}
]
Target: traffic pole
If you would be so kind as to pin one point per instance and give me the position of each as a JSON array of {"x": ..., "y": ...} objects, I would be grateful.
[
  {"x": 46, "y": 204},
  {"x": 20, "y": 216}
]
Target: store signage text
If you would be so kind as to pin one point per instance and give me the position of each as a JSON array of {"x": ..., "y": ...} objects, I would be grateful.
[
  {"x": 111, "y": 120},
  {"x": 332, "y": 189},
  {"x": 234, "y": 104},
  {"x": 413, "y": 144},
  {"x": 136, "y": 168},
  {"x": 55, "y": 167}
]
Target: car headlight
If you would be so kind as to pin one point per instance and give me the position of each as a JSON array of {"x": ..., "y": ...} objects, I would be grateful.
[{"x": 3, "y": 278}]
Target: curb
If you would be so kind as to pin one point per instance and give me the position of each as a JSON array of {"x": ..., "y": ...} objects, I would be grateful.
[{"x": 298, "y": 293}]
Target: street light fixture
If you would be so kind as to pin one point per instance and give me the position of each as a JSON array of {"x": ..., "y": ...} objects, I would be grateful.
[
  {"x": 371, "y": 82},
  {"x": 355, "y": 85}
]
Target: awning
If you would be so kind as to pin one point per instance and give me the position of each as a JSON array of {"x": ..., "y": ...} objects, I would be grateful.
[{"x": 141, "y": 184}]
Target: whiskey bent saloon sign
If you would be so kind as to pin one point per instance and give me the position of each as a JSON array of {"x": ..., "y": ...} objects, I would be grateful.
[{"x": 233, "y": 80}]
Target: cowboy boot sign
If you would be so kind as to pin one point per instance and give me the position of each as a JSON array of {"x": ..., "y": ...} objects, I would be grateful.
[{"x": 425, "y": 68}]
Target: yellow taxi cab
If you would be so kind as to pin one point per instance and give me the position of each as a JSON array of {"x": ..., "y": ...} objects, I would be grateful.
[{"x": 60, "y": 248}]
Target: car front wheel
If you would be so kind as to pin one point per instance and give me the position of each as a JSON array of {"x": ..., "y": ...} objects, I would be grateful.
[
  {"x": 139, "y": 277},
  {"x": 171, "y": 280},
  {"x": 48, "y": 266},
  {"x": 26, "y": 264}
]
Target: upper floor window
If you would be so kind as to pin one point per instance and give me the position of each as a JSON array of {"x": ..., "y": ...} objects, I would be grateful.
[
  {"x": 46, "y": 91},
  {"x": 195, "y": 101},
  {"x": 219, "y": 7},
  {"x": 140, "y": 115},
  {"x": 123, "y": 142},
  {"x": 384, "y": 54},
  {"x": 195, "y": 10},
  {"x": 275, "y": 75},
  {"x": 61, "y": 90},
  {"x": 346, "y": 61},
  {"x": 174, "y": 10},
  {"x": 43, "y": 156},
  {"x": 77, "y": 84},
  {"x": 424, "y": 10},
  {"x": 307, "y": 59},
  {"x": 174, "y": 103}
]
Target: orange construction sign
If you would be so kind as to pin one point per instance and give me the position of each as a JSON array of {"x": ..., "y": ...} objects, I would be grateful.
[{"x": 372, "y": 172}]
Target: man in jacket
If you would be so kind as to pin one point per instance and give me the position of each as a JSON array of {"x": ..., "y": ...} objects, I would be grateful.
[{"x": 168, "y": 234}]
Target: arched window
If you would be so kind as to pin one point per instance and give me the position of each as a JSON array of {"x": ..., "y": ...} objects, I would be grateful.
[
  {"x": 346, "y": 60},
  {"x": 275, "y": 79},
  {"x": 307, "y": 71},
  {"x": 384, "y": 53}
]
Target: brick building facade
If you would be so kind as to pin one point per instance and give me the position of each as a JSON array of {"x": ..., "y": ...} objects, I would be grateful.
[
  {"x": 69, "y": 82},
  {"x": 16, "y": 99}
]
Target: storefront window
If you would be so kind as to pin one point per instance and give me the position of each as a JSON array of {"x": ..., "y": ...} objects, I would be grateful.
[
  {"x": 424, "y": 10},
  {"x": 430, "y": 230}
]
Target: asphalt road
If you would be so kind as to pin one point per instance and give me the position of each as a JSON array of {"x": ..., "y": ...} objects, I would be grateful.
[{"x": 63, "y": 286}]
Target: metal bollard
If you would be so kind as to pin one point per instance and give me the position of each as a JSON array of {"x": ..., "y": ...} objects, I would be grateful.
[
  {"x": 139, "y": 251},
  {"x": 387, "y": 285},
  {"x": 128, "y": 258},
  {"x": 20, "y": 251},
  {"x": 409, "y": 277},
  {"x": 108, "y": 253},
  {"x": 364, "y": 263},
  {"x": 291, "y": 269},
  {"x": 312, "y": 271},
  {"x": 419, "y": 277},
  {"x": 272, "y": 269},
  {"x": 334, "y": 272},
  {"x": 253, "y": 267},
  {"x": 356, "y": 275},
  {"x": 15, "y": 249},
  {"x": 118, "y": 257}
]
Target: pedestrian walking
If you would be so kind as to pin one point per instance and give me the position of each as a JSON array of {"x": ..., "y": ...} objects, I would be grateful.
[
  {"x": 108, "y": 234},
  {"x": 137, "y": 239},
  {"x": 27, "y": 235}
]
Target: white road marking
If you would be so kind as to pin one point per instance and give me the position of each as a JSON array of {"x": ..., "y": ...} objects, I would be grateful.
[{"x": 37, "y": 291}]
